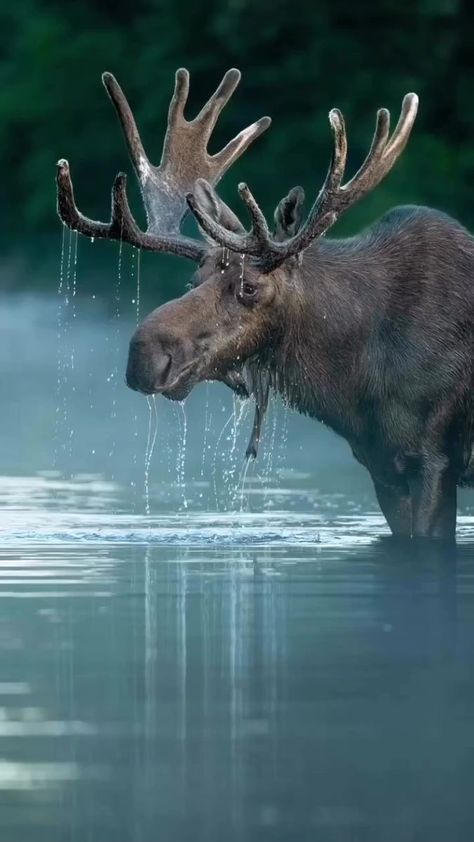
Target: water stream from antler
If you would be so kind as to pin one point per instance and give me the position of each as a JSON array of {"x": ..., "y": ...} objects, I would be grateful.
[
  {"x": 113, "y": 376},
  {"x": 66, "y": 314},
  {"x": 135, "y": 276},
  {"x": 59, "y": 348}
]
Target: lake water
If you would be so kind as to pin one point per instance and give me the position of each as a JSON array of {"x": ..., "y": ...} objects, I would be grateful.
[{"x": 191, "y": 654}]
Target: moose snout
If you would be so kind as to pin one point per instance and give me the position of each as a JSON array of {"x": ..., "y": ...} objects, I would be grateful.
[{"x": 149, "y": 365}]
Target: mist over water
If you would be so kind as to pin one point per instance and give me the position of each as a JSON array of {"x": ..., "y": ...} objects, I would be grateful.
[{"x": 196, "y": 649}]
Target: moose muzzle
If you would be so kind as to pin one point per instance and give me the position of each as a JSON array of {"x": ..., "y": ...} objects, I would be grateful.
[{"x": 160, "y": 362}]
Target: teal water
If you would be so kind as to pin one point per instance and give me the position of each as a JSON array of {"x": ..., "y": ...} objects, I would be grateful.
[{"x": 249, "y": 661}]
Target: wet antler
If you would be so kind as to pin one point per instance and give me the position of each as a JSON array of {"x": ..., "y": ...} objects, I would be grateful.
[
  {"x": 333, "y": 199},
  {"x": 164, "y": 187}
]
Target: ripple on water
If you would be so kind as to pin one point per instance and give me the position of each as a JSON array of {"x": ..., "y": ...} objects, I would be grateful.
[{"x": 51, "y": 510}]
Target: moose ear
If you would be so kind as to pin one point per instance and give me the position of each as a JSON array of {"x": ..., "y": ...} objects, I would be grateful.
[
  {"x": 289, "y": 214},
  {"x": 210, "y": 202}
]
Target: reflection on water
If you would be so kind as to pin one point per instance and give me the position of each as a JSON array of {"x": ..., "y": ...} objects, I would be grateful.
[
  {"x": 283, "y": 691},
  {"x": 260, "y": 676},
  {"x": 285, "y": 672}
]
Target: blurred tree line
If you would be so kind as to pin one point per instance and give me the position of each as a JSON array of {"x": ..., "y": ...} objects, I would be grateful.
[{"x": 298, "y": 60}]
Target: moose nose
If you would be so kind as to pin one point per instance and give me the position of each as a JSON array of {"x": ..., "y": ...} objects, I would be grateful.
[{"x": 148, "y": 366}]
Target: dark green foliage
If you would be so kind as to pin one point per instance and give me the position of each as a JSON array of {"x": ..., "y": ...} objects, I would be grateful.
[{"x": 298, "y": 60}]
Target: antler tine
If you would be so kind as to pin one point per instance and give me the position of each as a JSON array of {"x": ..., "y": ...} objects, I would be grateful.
[
  {"x": 361, "y": 181},
  {"x": 210, "y": 112},
  {"x": 404, "y": 126},
  {"x": 237, "y": 146},
  {"x": 178, "y": 100},
  {"x": 121, "y": 219},
  {"x": 337, "y": 167},
  {"x": 320, "y": 217},
  {"x": 127, "y": 121},
  {"x": 260, "y": 228},
  {"x": 67, "y": 208},
  {"x": 122, "y": 225}
]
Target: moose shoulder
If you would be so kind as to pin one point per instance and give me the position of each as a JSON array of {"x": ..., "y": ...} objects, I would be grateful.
[{"x": 373, "y": 334}]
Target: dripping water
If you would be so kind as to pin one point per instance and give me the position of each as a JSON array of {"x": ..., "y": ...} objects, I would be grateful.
[
  {"x": 282, "y": 439},
  {"x": 207, "y": 421},
  {"x": 57, "y": 425},
  {"x": 242, "y": 480},
  {"x": 242, "y": 271},
  {"x": 65, "y": 356},
  {"x": 75, "y": 237},
  {"x": 180, "y": 465},
  {"x": 135, "y": 274},
  {"x": 234, "y": 456},
  {"x": 113, "y": 376},
  {"x": 150, "y": 446},
  {"x": 269, "y": 460},
  {"x": 214, "y": 461},
  {"x": 66, "y": 362},
  {"x": 137, "y": 299}
]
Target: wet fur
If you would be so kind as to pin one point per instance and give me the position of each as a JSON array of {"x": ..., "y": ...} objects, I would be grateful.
[{"x": 379, "y": 343}]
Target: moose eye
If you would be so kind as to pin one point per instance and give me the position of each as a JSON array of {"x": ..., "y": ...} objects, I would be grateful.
[{"x": 246, "y": 291}]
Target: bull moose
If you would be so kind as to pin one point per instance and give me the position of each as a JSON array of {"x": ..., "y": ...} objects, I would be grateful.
[{"x": 373, "y": 335}]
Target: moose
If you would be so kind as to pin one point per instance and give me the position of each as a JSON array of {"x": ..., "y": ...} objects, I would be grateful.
[{"x": 372, "y": 335}]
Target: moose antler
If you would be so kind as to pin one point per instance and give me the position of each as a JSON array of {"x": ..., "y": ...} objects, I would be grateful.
[
  {"x": 333, "y": 199},
  {"x": 164, "y": 187}
]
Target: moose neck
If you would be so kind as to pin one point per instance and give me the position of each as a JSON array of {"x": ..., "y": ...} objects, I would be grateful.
[{"x": 321, "y": 360}]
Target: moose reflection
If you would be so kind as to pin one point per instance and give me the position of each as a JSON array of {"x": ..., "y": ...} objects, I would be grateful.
[{"x": 372, "y": 335}]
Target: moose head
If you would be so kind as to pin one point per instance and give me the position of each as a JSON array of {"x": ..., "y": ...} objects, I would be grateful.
[{"x": 249, "y": 285}]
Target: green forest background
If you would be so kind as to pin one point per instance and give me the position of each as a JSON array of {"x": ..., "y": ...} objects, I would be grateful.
[{"x": 298, "y": 60}]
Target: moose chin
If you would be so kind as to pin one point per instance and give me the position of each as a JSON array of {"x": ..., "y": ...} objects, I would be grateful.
[{"x": 372, "y": 335}]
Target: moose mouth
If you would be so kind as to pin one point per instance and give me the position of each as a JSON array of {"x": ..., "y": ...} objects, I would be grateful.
[{"x": 182, "y": 385}]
